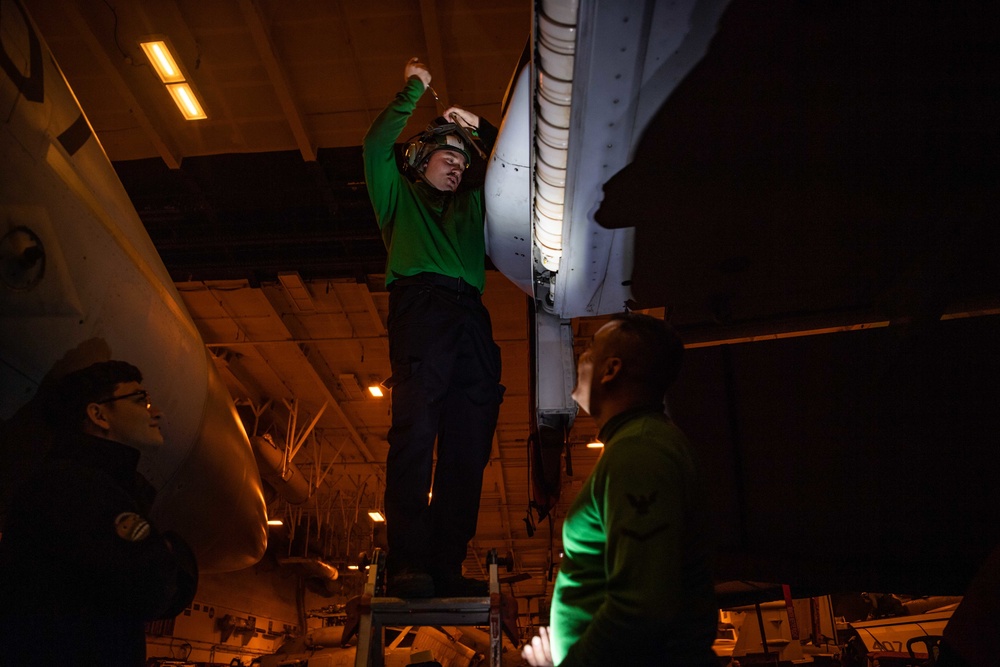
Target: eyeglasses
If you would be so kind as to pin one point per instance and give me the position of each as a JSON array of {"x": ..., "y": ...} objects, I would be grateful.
[{"x": 141, "y": 392}]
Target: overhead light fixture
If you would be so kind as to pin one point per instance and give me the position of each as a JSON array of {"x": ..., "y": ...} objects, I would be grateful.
[
  {"x": 186, "y": 101},
  {"x": 275, "y": 522},
  {"x": 595, "y": 444},
  {"x": 172, "y": 75},
  {"x": 376, "y": 516},
  {"x": 352, "y": 566},
  {"x": 375, "y": 387},
  {"x": 162, "y": 61}
]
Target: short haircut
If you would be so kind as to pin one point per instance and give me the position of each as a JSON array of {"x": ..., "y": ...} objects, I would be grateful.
[
  {"x": 653, "y": 347},
  {"x": 72, "y": 393}
]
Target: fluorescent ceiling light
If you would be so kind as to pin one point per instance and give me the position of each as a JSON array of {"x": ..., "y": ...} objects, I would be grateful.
[
  {"x": 162, "y": 61},
  {"x": 275, "y": 522},
  {"x": 595, "y": 445},
  {"x": 376, "y": 516},
  {"x": 168, "y": 68},
  {"x": 375, "y": 390},
  {"x": 186, "y": 101}
]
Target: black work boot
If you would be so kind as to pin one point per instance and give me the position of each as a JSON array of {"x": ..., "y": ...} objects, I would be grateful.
[{"x": 410, "y": 583}]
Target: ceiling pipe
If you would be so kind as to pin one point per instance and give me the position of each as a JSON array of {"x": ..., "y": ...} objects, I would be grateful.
[{"x": 290, "y": 484}]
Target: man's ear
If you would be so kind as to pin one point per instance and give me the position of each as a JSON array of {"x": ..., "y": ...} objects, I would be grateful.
[
  {"x": 612, "y": 369},
  {"x": 96, "y": 417}
]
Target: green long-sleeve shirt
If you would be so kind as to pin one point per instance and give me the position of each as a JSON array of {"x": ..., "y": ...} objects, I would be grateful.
[
  {"x": 634, "y": 587},
  {"x": 423, "y": 228}
]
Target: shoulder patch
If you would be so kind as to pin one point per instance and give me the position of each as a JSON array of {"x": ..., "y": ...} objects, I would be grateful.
[
  {"x": 641, "y": 503},
  {"x": 132, "y": 527}
]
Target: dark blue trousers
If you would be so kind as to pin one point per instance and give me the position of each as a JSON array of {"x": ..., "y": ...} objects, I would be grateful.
[{"x": 445, "y": 388}]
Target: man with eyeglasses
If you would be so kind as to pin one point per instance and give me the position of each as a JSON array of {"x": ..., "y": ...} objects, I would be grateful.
[{"x": 81, "y": 566}]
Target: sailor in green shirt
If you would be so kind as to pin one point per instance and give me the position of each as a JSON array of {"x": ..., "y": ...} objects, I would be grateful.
[
  {"x": 445, "y": 365},
  {"x": 634, "y": 586}
]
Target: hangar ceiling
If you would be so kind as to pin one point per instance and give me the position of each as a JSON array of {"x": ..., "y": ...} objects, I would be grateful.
[
  {"x": 827, "y": 168},
  {"x": 261, "y": 215}
]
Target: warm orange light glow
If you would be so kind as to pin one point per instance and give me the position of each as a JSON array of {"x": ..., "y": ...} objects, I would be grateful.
[
  {"x": 162, "y": 61},
  {"x": 186, "y": 101},
  {"x": 167, "y": 68},
  {"x": 375, "y": 391},
  {"x": 376, "y": 516},
  {"x": 275, "y": 522},
  {"x": 595, "y": 445},
  {"x": 352, "y": 566}
]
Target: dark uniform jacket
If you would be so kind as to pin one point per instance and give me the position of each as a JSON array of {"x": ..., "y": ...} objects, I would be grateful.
[
  {"x": 81, "y": 568},
  {"x": 634, "y": 586}
]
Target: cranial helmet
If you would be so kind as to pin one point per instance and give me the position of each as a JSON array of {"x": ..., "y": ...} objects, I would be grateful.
[{"x": 439, "y": 135}]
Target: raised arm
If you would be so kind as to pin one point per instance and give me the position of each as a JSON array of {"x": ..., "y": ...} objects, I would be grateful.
[
  {"x": 381, "y": 171},
  {"x": 416, "y": 68}
]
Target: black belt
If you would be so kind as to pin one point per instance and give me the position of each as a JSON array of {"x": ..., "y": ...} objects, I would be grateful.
[{"x": 456, "y": 285}]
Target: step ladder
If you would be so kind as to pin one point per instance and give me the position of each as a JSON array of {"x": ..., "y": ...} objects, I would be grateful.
[{"x": 378, "y": 612}]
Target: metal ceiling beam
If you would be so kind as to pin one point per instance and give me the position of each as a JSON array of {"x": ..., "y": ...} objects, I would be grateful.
[
  {"x": 372, "y": 311},
  {"x": 265, "y": 47},
  {"x": 355, "y": 436},
  {"x": 228, "y": 363},
  {"x": 296, "y": 440},
  {"x": 319, "y": 471},
  {"x": 164, "y": 147},
  {"x": 815, "y": 325},
  {"x": 334, "y": 405},
  {"x": 323, "y": 388}
]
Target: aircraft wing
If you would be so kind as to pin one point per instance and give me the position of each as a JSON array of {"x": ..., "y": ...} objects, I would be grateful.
[
  {"x": 601, "y": 71},
  {"x": 81, "y": 282}
]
